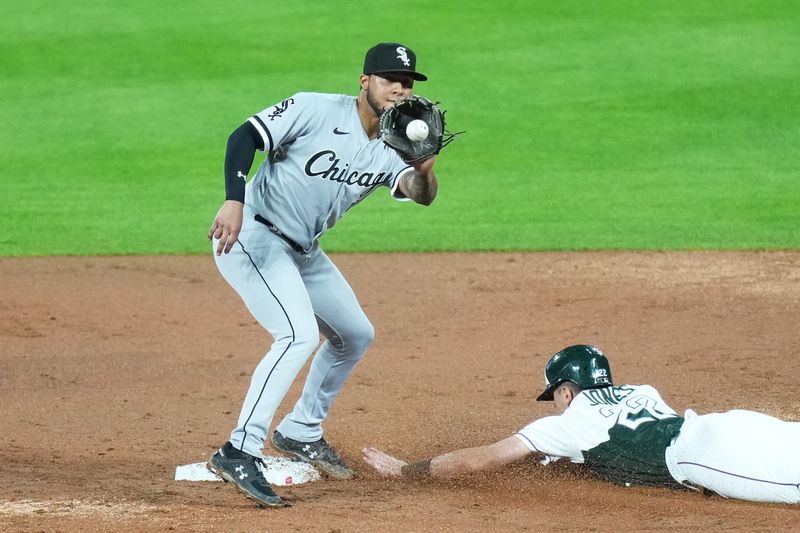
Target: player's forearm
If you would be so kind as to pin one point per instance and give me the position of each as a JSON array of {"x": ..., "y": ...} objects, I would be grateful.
[
  {"x": 453, "y": 464},
  {"x": 420, "y": 187}
]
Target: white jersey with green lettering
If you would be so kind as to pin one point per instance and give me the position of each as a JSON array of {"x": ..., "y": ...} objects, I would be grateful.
[
  {"x": 621, "y": 434},
  {"x": 630, "y": 436}
]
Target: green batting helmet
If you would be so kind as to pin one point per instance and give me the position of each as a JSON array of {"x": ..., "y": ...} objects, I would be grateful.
[{"x": 583, "y": 365}]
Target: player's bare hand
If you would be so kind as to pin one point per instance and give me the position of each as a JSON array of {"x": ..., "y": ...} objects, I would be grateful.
[
  {"x": 227, "y": 225},
  {"x": 424, "y": 167},
  {"x": 384, "y": 463}
]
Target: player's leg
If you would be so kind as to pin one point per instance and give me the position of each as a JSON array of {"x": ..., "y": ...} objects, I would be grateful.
[
  {"x": 261, "y": 268},
  {"x": 739, "y": 454},
  {"x": 348, "y": 334}
]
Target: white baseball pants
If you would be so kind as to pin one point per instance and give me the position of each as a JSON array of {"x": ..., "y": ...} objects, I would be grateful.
[{"x": 738, "y": 454}]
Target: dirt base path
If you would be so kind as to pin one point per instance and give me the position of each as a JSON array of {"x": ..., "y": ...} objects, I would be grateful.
[{"x": 114, "y": 371}]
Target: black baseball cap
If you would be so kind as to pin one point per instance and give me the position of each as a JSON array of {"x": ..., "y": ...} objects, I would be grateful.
[{"x": 392, "y": 57}]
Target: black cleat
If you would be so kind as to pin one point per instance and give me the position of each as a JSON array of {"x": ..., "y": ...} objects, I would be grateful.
[
  {"x": 318, "y": 453},
  {"x": 242, "y": 469}
]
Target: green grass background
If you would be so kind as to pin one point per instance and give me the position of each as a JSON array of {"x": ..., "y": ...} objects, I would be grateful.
[{"x": 590, "y": 125}]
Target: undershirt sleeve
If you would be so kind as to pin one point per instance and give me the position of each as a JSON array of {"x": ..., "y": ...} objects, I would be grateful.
[
  {"x": 395, "y": 186},
  {"x": 241, "y": 150}
]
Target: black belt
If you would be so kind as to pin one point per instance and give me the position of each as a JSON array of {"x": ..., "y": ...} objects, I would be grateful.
[{"x": 270, "y": 226}]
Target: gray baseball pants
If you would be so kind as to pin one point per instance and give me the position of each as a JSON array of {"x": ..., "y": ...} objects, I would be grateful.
[{"x": 295, "y": 296}]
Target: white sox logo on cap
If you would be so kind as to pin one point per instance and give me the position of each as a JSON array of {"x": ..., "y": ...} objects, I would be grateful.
[
  {"x": 392, "y": 57},
  {"x": 403, "y": 56}
]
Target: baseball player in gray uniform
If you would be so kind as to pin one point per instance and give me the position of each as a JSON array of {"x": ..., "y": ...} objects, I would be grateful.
[
  {"x": 324, "y": 156},
  {"x": 628, "y": 435}
]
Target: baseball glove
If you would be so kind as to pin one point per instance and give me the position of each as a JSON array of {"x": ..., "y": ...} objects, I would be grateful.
[{"x": 395, "y": 119}]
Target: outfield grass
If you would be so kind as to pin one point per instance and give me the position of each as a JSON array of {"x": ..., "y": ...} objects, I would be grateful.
[{"x": 590, "y": 125}]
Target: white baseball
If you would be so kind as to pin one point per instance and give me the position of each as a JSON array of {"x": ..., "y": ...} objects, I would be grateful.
[{"x": 417, "y": 130}]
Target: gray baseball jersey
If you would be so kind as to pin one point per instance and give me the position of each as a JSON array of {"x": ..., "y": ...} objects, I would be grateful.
[{"x": 320, "y": 164}]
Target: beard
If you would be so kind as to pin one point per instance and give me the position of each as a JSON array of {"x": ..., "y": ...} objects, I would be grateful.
[{"x": 373, "y": 104}]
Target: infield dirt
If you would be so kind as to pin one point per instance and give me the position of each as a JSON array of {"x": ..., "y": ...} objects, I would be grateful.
[{"x": 115, "y": 370}]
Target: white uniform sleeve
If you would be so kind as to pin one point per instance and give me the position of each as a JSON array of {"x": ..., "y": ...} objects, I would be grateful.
[
  {"x": 285, "y": 121},
  {"x": 551, "y": 436}
]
